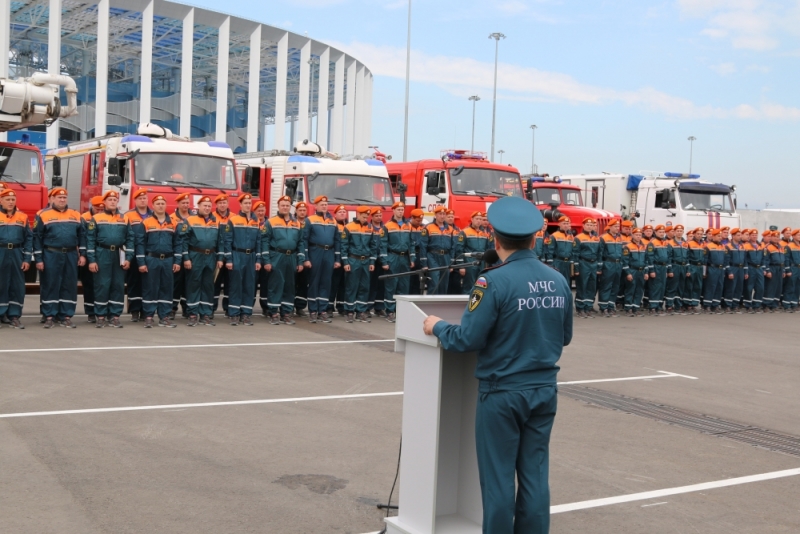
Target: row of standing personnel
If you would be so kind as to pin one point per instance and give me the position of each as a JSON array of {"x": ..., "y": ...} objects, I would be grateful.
[
  {"x": 667, "y": 270},
  {"x": 188, "y": 258}
]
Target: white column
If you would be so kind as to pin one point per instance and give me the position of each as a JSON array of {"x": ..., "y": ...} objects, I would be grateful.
[
  {"x": 280, "y": 92},
  {"x": 53, "y": 61},
  {"x": 338, "y": 111},
  {"x": 101, "y": 90},
  {"x": 304, "y": 91},
  {"x": 322, "y": 99},
  {"x": 358, "y": 131},
  {"x": 146, "y": 78},
  {"x": 253, "y": 87},
  {"x": 350, "y": 130},
  {"x": 5, "y": 42},
  {"x": 223, "y": 50},
  {"x": 187, "y": 58},
  {"x": 368, "y": 111}
]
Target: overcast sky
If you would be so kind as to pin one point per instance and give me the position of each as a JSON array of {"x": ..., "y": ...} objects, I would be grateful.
[{"x": 614, "y": 85}]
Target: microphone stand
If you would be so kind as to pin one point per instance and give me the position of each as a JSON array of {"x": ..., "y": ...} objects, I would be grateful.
[{"x": 423, "y": 274}]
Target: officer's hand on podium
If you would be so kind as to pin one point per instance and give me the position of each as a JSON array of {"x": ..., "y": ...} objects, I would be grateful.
[{"x": 429, "y": 323}]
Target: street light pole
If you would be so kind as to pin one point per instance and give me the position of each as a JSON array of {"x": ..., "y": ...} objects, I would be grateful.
[
  {"x": 691, "y": 140},
  {"x": 496, "y": 36},
  {"x": 408, "y": 76},
  {"x": 474, "y": 99},
  {"x": 501, "y": 152},
  {"x": 533, "y": 149}
]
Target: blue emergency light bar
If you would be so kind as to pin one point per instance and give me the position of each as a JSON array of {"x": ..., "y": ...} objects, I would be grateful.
[
  {"x": 136, "y": 139},
  {"x": 681, "y": 175},
  {"x": 218, "y": 144}
]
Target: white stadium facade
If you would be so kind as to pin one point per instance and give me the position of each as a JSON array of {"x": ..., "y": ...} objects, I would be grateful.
[{"x": 202, "y": 74}]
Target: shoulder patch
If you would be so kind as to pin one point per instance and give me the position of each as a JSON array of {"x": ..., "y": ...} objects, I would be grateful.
[
  {"x": 481, "y": 282},
  {"x": 625, "y": 251},
  {"x": 91, "y": 225},
  {"x": 383, "y": 232},
  {"x": 650, "y": 248},
  {"x": 424, "y": 232},
  {"x": 461, "y": 237},
  {"x": 475, "y": 299},
  {"x": 344, "y": 235}
]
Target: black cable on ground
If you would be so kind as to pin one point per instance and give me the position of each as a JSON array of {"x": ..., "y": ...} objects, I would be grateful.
[{"x": 389, "y": 503}]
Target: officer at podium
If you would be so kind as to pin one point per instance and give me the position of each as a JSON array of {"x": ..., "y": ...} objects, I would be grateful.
[{"x": 518, "y": 319}]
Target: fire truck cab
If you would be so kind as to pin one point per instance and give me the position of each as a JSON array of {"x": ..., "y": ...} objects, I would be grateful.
[
  {"x": 21, "y": 169},
  {"x": 460, "y": 180},
  {"x": 555, "y": 198},
  {"x": 154, "y": 159},
  {"x": 310, "y": 171}
]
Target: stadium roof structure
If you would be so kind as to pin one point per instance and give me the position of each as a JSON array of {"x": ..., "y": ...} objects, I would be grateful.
[{"x": 128, "y": 59}]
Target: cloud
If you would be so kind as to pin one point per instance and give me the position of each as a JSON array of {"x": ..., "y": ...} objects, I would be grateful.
[
  {"x": 745, "y": 24},
  {"x": 396, "y": 5},
  {"x": 463, "y": 76},
  {"x": 724, "y": 69}
]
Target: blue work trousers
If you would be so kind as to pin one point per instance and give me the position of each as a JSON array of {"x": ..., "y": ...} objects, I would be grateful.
[
  {"x": 58, "y": 284},
  {"x": 241, "y": 284},
  {"x": 320, "y": 278},
  {"x": 157, "y": 286}
]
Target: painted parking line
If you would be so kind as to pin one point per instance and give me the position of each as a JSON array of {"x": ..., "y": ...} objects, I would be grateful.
[
  {"x": 208, "y": 345},
  {"x": 199, "y": 405},
  {"x": 646, "y": 495},
  {"x": 293, "y": 399}
]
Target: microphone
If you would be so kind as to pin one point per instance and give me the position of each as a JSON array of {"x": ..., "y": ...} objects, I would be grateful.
[{"x": 490, "y": 257}]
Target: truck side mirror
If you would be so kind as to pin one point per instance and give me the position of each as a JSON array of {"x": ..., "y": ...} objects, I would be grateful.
[
  {"x": 247, "y": 180},
  {"x": 402, "y": 188},
  {"x": 291, "y": 187},
  {"x": 56, "y": 167},
  {"x": 529, "y": 189},
  {"x": 115, "y": 180},
  {"x": 113, "y": 167},
  {"x": 432, "y": 182},
  {"x": 665, "y": 205}
]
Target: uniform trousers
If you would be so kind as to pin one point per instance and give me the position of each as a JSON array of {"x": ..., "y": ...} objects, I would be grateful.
[
  {"x": 585, "y": 285},
  {"x": 712, "y": 292},
  {"x": 791, "y": 288},
  {"x": 733, "y": 289},
  {"x": 357, "y": 286},
  {"x": 301, "y": 288},
  {"x": 58, "y": 283},
  {"x": 263, "y": 290},
  {"x": 133, "y": 281},
  {"x": 694, "y": 286},
  {"x": 773, "y": 287},
  {"x": 109, "y": 284},
  {"x": 338, "y": 291},
  {"x": 634, "y": 291},
  {"x": 438, "y": 283},
  {"x": 396, "y": 286},
  {"x": 241, "y": 284},
  {"x": 200, "y": 283},
  {"x": 222, "y": 285},
  {"x": 377, "y": 288},
  {"x": 87, "y": 283},
  {"x": 157, "y": 285},
  {"x": 657, "y": 286},
  {"x": 281, "y": 282},
  {"x": 179, "y": 292},
  {"x": 12, "y": 282},
  {"x": 754, "y": 288},
  {"x": 512, "y": 436},
  {"x": 676, "y": 294},
  {"x": 608, "y": 285},
  {"x": 320, "y": 278}
]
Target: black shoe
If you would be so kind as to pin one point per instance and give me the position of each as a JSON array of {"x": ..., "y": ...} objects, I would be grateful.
[
  {"x": 275, "y": 319},
  {"x": 245, "y": 320},
  {"x": 148, "y": 322},
  {"x": 16, "y": 324},
  {"x": 207, "y": 321},
  {"x": 136, "y": 317},
  {"x": 101, "y": 322},
  {"x": 48, "y": 323},
  {"x": 312, "y": 317},
  {"x": 192, "y": 321},
  {"x": 167, "y": 323},
  {"x": 350, "y": 318},
  {"x": 390, "y": 317},
  {"x": 324, "y": 317},
  {"x": 234, "y": 321},
  {"x": 115, "y": 322},
  {"x": 287, "y": 319},
  {"x": 365, "y": 318},
  {"x": 67, "y": 323},
  {"x": 92, "y": 319}
]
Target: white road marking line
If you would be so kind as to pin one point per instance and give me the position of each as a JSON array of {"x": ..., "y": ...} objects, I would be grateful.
[
  {"x": 654, "y": 504},
  {"x": 210, "y": 345},
  {"x": 664, "y": 374},
  {"x": 595, "y": 503},
  {"x": 172, "y": 407}
]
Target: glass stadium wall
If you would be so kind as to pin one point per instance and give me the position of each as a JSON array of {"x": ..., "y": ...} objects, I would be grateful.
[{"x": 245, "y": 80}]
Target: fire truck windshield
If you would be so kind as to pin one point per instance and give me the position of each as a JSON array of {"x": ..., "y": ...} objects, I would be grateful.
[
  {"x": 706, "y": 201},
  {"x": 550, "y": 195},
  {"x": 479, "y": 181},
  {"x": 191, "y": 169},
  {"x": 21, "y": 166},
  {"x": 358, "y": 189}
]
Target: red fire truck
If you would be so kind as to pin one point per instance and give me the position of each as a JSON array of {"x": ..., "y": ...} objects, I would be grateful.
[
  {"x": 554, "y": 198},
  {"x": 154, "y": 159},
  {"x": 460, "y": 180}
]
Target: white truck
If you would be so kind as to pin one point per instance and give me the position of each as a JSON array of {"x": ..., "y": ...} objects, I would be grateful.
[
  {"x": 658, "y": 198},
  {"x": 310, "y": 171}
]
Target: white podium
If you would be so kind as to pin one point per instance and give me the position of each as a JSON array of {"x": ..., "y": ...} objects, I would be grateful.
[{"x": 439, "y": 487}]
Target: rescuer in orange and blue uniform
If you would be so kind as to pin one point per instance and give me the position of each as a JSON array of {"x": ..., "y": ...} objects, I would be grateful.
[
  {"x": 562, "y": 242},
  {"x": 610, "y": 258},
  {"x": 397, "y": 256},
  {"x": 738, "y": 272},
  {"x": 203, "y": 251},
  {"x": 677, "y": 286},
  {"x": 359, "y": 252},
  {"x": 222, "y": 213},
  {"x": 324, "y": 255},
  {"x": 181, "y": 215},
  {"x": 775, "y": 271},
  {"x": 792, "y": 263},
  {"x": 86, "y": 276},
  {"x": 59, "y": 248},
  {"x": 660, "y": 268},
  {"x": 585, "y": 256},
  {"x": 377, "y": 289},
  {"x": 283, "y": 251},
  {"x": 106, "y": 235},
  {"x": 436, "y": 250},
  {"x": 133, "y": 278},
  {"x": 472, "y": 240},
  {"x": 518, "y": 319},
  {"x": 754, "y": 285},
  {"x": 159, "y": 254},
  {"x": 635, "y": 271},
  {"x": 16, "y": 255},
  {"x": 243, "y": 250},
  {"x": 716, "y": 266}
]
